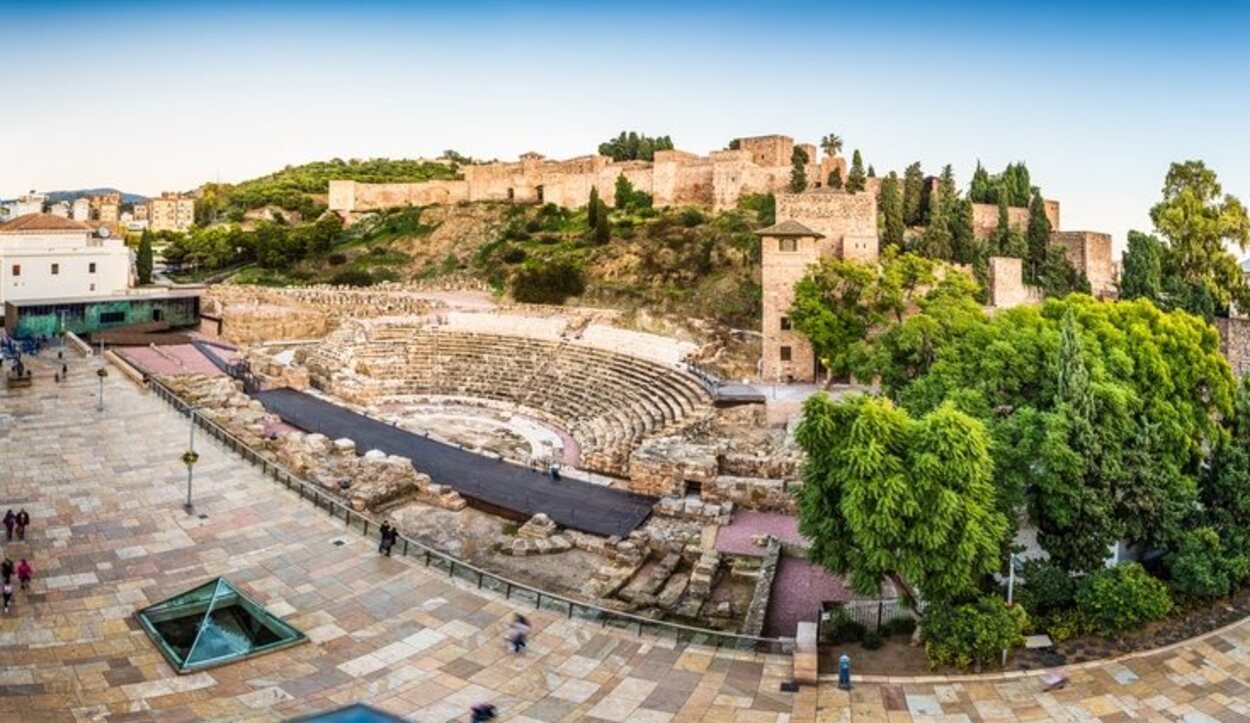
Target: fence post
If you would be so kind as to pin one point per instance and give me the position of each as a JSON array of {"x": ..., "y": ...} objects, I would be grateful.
[
  {"x": 451, "y": 568},
  {"x": 507, "y": 591},
  {"x": 405, "y": 547},
  {"x": 538, "y": 603},
  {"x": 880, "y": 611}
]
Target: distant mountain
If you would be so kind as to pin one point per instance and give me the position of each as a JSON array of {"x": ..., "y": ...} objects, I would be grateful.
[{"x": 54, "y": 196}]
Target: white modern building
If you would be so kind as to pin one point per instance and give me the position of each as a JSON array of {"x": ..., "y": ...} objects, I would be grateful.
[
  {"x": 82, "y": 209},
  {"x": 49, "y": 257},
  {"x": 30, "y": 203}
]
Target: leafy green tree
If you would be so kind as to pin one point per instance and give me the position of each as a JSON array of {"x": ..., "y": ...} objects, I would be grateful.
[
  {"x": 1003, "y": 230},
  {"x": 550, "y": 282},
  {"x": 838, "y": 303},
  {"x": 938, "y": 242},
  {"x": 1122, "y": 598},
  {"x": 1037, "y": 235},
  {"x": 889, "y": 497},
  {"x": 890, "y": 201},
  {"x": 143, "y": 259},
  {"x": 1200, "y": 222},
  {"x": 798, "y": 170},
  {"x": 835, "y": 178},
  {"x": 634, "y": 146},
  {"x": 1202, "y": 568},
  {"x": 855, "y": 179},
  {"x": 913, "y": 195},
  {"x": 1142, "y": 276},
  {"x": 831, "y": 144},
  {"x": 974, "y": 633},
  {"x": 629, "y": 199}
]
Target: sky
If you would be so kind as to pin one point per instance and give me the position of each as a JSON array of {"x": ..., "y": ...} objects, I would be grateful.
[{"x": 1096, "y": 97}]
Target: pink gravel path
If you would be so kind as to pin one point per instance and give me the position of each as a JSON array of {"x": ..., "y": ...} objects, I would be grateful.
[
  {"x": 798, "y": 591},
  {"x": 735, "y": 538},
  {"x": 187, "y": 360}
]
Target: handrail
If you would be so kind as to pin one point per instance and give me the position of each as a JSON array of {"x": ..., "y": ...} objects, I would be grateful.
[{"x": 510, "y": 587}]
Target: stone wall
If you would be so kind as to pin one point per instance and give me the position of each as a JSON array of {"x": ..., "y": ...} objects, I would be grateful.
[
  {"x": 753, "y": 493},
  {"x": 1090, "y": 253},
  {"x": 758, "y": 609},
  {"x": 1235, "y": 343},
  {"x": 673, "y": 178},
  {"x": 985, "y": 217},
  {"x": 663, "y": 466}
]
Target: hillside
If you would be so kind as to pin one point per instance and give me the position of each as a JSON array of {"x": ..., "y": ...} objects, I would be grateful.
[
  {"x": 57, "y": 196},
  {"x": 302, "y": 189},
  {"x": 678, "y": 261}
]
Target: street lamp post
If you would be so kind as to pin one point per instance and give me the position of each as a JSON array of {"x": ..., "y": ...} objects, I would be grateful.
[
  {"x": 1011, "y": 587},
  {"x": 101, "y": 374},
  {"x": 189, "y": 458}
]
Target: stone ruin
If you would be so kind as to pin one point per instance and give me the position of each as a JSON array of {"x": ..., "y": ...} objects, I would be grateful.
[{"x": 365, "y": 482}]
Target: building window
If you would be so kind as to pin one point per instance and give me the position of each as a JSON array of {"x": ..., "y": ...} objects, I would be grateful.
[
  {"x": 785, "y": 353},
  {"x": 787, "y": 245},
  {"x": 56, "y": 269},
  {"x": 91, "y": 268},
  {"x": 112, "y": 317},
  {"x": 93, "y": 287},
  {"x": 17, "y": 269},
  {"x": 785, "y": 323}
]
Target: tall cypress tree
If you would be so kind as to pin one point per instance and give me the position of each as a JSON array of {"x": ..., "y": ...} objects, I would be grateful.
[
  {"x": 602, "y": 231},
  {"x": 964, "y": 244},
  {"x": 1003, "y": 230},
  {"x": 855, "y": 180},
  {"x": 798, "y": 170},
  {"x": 143, "y": 259},
  {"x": 890, "y": 202},
  {"x": 913, "y": 194},
  {"x": 872, "y": 172},
  {"x": 835, "y": 178},
  {"x": 592, "y": 208},
  {"x": 1037, "y": 235}
]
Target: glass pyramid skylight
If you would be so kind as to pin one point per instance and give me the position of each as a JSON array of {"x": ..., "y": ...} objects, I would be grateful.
[{"x": 213, "y": 624}]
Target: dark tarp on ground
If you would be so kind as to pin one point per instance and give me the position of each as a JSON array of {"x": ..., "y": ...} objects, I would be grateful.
[{"x": 570, "y": 503}]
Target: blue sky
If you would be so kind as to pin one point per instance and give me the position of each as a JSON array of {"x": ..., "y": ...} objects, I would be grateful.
[{"x": 1096, "y": 97}]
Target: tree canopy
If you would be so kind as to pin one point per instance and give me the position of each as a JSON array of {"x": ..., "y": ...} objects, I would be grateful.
[{"x": 634, "y": 146}]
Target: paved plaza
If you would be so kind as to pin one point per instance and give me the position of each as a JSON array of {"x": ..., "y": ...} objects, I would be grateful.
[{"x": 109, "y": 536}]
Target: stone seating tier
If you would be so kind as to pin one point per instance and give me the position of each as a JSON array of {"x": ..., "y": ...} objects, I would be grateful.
[{"x": 608, "y": 401}]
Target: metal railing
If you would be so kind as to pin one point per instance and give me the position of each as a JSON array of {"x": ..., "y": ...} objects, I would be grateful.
[{"x": 483, "y": 579}]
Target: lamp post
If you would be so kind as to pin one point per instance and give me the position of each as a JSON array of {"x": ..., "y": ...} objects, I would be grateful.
[
  {"x": 1011, "y": 587},
  {"x": 101, "y": 373},
  {"x": 189, "y": 458}
]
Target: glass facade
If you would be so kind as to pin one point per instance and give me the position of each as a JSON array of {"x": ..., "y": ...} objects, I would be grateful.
[
  {"x": 25, "y": 321},
  {"x": 355, "y": 713},
  {"x": 213, "y": 624}
]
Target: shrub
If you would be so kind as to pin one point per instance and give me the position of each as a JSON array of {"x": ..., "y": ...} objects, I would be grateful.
[
  {"x": 1045, "y": 587},
  {"x": 352, "y": 277},
  {"x": 900, "y": 626},
  {"x": 549, "y": 283},
  {"x": 691, "y": 217},
  {"x": 872, "y": 640},
  {"x": 1060, "y": 625},
  {"x": 1200, "y": 567},
  {"x": 548, "y": 239},
  {"x": 336, "y": 259},
  {"x": 513, "y": 256},
  {"x": 841, "y": 629},
  {"x": 1122, "y": 598},
  {"x": 973, "y": 632},
  {"x": 533, "y": 225}
]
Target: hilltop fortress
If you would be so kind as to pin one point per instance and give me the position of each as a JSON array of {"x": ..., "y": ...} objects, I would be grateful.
[
  {"x": 675, "y": 178},
  {"x": 820, "y": 222}
]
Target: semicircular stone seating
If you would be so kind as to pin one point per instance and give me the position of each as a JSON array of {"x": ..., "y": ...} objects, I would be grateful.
[{"x": 608, "y": 401}]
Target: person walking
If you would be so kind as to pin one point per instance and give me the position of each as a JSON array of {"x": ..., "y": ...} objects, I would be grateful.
[
  {"x": 10, "y": 520},
  {"x": 482, "y": 712},
  {"x": 24, "y": 572},
  {"x": 23, "y": 521},
  {"x": 8, "y": 595},
  {"x": 6, "y": 569},
  {"x": 519, "y": 637},
  {"x": 384, "y": 545}
]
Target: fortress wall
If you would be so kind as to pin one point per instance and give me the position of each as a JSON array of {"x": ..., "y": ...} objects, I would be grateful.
[
  {"x": 1090, "y": 253},
  {"x": 985, "y": 217},
  {"x": 1007, "y": 282},
  {"x": 833, "y": 214},
  {"x": 694, "y": 186},
  {"x": 769, "y": 150},
  {"x": 348, "y": 196}
]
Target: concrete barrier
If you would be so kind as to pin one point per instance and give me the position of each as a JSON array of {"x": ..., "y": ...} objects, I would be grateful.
[
  {"x": 80, "y": 346},
  {"x": 126, "y": 369},
  {"x": 806, "y": 657}
]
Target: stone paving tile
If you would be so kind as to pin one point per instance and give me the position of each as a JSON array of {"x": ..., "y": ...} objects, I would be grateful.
[{"x": 109, "y": 536}]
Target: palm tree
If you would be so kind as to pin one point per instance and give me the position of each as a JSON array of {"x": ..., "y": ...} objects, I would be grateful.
[{"x": 831, "y": 144}]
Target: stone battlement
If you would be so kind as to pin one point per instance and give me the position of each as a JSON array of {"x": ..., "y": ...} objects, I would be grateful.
[{"x": 674, "y": 178}]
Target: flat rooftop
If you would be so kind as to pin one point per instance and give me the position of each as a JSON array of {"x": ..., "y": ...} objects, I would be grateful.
[{"x": 161, "y": 296}]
